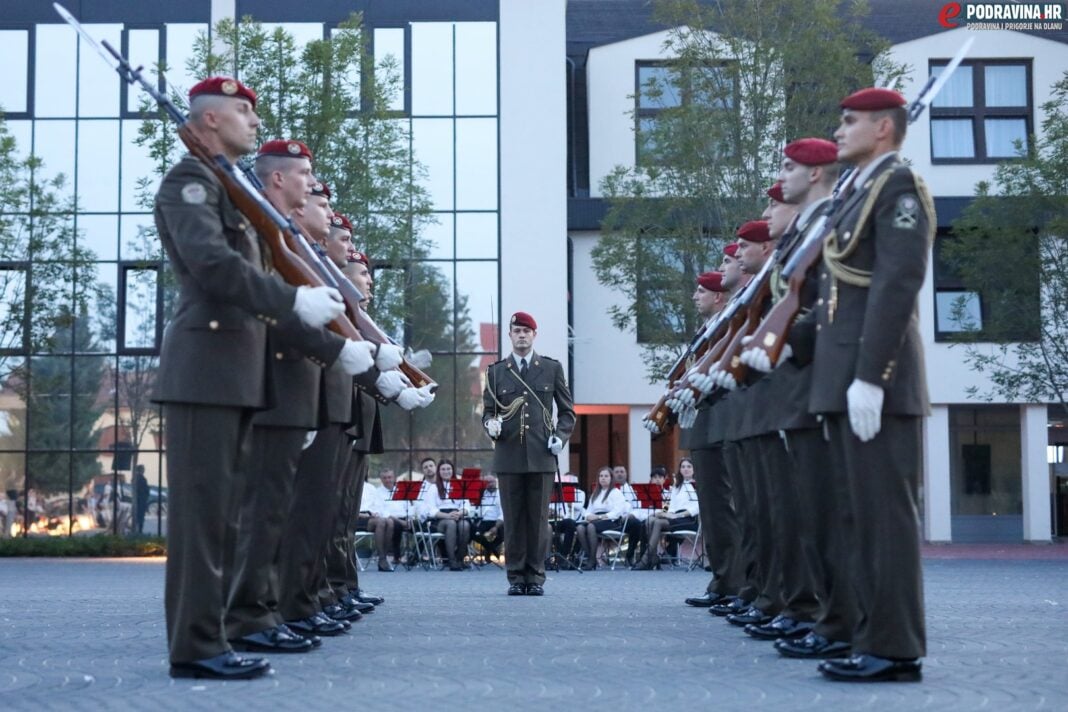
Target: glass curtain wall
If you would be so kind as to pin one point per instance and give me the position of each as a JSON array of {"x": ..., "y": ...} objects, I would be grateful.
[{"x": 82, "y": 306}]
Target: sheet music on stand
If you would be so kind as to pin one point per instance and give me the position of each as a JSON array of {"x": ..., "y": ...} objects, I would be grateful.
[
  {"x": 650, "y": 496},
  {"x": 468, "y": 489}
]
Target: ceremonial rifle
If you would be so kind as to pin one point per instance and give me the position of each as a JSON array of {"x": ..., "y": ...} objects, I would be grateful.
[{"x": 266, "y": 220}]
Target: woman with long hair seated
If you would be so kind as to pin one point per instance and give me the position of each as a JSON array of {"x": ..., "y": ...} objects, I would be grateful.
[
  {"x": 603, "y": 511},
  {"x": 449, "y": 516},
  {"x": 680, "y": 513}
]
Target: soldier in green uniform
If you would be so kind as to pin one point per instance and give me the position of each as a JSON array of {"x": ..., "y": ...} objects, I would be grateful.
[
  {"x": 517, "y": 413},
  {"x": 869, "y": 384},
  {"x": 213, "y": 376},
  {"x": 297, "y": 355}
]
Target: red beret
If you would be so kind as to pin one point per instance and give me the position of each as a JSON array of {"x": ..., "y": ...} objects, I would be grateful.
[
  {"x": 340, "y": 221},
  {"x": 754, "y": 231},
  {"x": 321, "y": 188},
  {"x": 731, "y": 250},
  {"x": 523, "y": 319},
  {"x": 355, "y": 255},
  {"x": 812, "y": 151},
  {"x": 775, "y": 192},
  {"x": 873, "y": 99},
  {"x": 712, "y": 281},
  {"x": 291, "y": 148},
  {"x": 223, "y": 86}
]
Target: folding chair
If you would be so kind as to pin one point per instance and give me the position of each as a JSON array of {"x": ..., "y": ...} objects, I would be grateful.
[
  {"x": 426, "y": 540},
  {"x": 358, "y": 538},
  {"x": 612, "y": 537},
  {"x": 697, "y": 553}
]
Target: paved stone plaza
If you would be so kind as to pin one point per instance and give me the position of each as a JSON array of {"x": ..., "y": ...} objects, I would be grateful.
[{"x": 89, "y": 634}]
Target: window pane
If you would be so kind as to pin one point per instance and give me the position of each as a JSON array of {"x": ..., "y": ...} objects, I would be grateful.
[
  {"x": 99, "y": 234},
  {"x": 476, "y": 235},
  {"x": 712, "y": 87},
  {"x": 430, "y": 304},
  {"x": 49, "y": 403},
  {"x": 958, "y": 90},
  {"x": 15, "y": 59},
  {"x": 432, "y": 141},
  {"x": 12, "y": 437},
  {"x": 97, "y": 287},
  {"x": 388, "y": 302},
  {"x": 476, "y": 302},
  {"x": 12, "y": 315},
  {"x": 180, "y": 42},
  {"x": 139, "y": 240},
  {"x": 952, "y": 138},
  {"x": 98, "y": 166},
  {"x": 432, "y": 68},
  {"x": 1006, "y": 85},
  {"x": 658, "y": 87},
  {"x": 1001, "y": 136},
  {"x": 139, "y": 179},
  {"x": 56, "y": 60},
  {"x": 476, "y": 164},
  {"x": 645, "y": 140},
  {"x": 437, "y": 237},
  {"x": 389, "y": 65},
  {"x": 958, "y": 311},
  {"x": 433, "y": 427},
  {"x": 99, "y": 84},
  {"x": 53, "y": 143},
  {"x": 143, "y": 50},
  {"x": 22, "y": 132},
  {"x": 140, "y": 309},
  {"x": 476, "y": 68}
]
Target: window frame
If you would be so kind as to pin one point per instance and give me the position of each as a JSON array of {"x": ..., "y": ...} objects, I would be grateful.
[
  {"x": 121, "y": 349},
  {"x": 25, "y": 267},
  {"x": 31, "y": 53},
  {"x": 161, "y": 81},
  {"x": 979, "y": 111}
]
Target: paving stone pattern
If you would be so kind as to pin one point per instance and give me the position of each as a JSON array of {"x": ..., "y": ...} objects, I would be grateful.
[{"x": 89, "y": 635}]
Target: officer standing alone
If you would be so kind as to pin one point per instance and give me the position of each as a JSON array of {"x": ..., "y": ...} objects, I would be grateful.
[{"x": 517, "y": 413}]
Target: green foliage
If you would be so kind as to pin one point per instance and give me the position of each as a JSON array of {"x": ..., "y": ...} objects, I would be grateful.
[
  {"x": 101, "y": 545},
  {"x": 751, "y": 76},
  {"x": 1011, "y": 246}
]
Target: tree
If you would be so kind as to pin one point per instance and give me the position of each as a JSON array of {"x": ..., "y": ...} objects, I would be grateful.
[
  {"x": 1011, "y": 246},
  {"x": 745, "y": 79}
]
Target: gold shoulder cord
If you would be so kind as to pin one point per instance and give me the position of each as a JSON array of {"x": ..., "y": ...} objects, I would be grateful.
[
  {"x": 502, "y": 411},
  {"x": 834, "y": 258}
]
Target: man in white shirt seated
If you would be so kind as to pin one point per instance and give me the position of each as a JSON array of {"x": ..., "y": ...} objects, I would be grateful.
[
  {"x": 400, "y": 511},
  {"x": 374, "y": 518},
  {"x": 565, "y": 516},
  {"x": 634, "y": 518},
  {"x": 489, "y": 532}
]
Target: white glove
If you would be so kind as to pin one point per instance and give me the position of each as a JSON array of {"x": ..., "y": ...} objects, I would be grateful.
[
  {"x": 409, "y": 398},
  {"x": 702, "y": 382},
  {"x": 389, "y": 357},
  {"x": 687, "y": 418},
  {"x": 865, "y": 409},
  {"x": 309, "y": 438},
  {"x": 493, "y": 427},
  {"x": 685, "y": 399},
  {"x": 724, "y": 379},
  {"x": 316, "y": 306},
  {"x": 650, "y": 426},
  {"x": 426, "y": 397},
  {"x": 555, "y": 445},
  {"x": 390, "y": 383},
  {"x": 758, "y": 358},
  {"x": 355, "y": 357}
]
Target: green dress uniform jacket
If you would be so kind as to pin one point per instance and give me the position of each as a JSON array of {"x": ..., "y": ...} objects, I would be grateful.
[
  {"x": 214, "y": 347},
  {"x": 521, "y": 446},
  {"x": 871, "y": 332}
]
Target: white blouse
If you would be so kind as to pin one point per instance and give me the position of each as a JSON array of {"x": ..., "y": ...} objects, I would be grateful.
[
  {"x": 684, "y": 499},
  {"x": 613, "y": 506}
]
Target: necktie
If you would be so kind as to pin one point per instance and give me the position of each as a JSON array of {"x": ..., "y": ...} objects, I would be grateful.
[{"x": 522, "y": 368}]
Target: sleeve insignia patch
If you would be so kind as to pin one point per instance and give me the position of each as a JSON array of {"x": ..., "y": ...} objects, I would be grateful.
[
  {"x": 906, "y": 215},
  {"x": 194, "y": 193}
]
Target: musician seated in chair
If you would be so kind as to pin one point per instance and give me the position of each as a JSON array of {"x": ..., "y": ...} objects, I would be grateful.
[
  {"x": 680, "y": 514},
  {"x": 489, "y": 532},
  {"x": 374, "y": 518},
  {"x": 604, "y": 511},
  {"x": 564, "y": 518},
  {"x": 448, "y": 516}
]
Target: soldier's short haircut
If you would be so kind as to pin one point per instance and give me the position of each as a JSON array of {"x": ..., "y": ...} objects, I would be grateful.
[
  {"x": 829, "y": 175},
  {"x": 265, "y": 165},
  {"x": 202, "y": 103},
  {"x": 900, "y": 116}
]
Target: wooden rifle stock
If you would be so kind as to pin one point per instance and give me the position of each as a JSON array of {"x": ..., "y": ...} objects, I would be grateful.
[
  {"x": 772, "y": 333},
  {"x": 289, "y": 266},
  {"x": 731, "y": 362}
]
